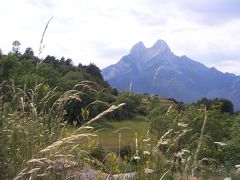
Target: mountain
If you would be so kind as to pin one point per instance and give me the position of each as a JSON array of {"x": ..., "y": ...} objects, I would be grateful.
[{"x": 157, "y": 70}]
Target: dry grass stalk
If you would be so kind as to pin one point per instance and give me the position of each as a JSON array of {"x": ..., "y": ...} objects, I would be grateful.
[
  {"x": 41, "y": 46},
  {"x": 199, "y": 142},
  {"x": 81, "y": 89},
  {"x": 164, "y": 174},
  {"x": 109, "y": 110}
]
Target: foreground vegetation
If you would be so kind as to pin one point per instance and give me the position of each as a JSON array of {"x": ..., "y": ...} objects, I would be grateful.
[{"x": 59, "y": 121}]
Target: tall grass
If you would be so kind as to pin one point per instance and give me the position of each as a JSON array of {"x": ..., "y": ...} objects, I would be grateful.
[
  {"x": 38, "y": 143},
  {"x": 32, "y": 121},
  {"x": 67, "y": 150}
]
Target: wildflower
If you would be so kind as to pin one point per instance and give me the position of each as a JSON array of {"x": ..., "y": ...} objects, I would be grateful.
[
  {"x": 148, "y": 171},
  {"x": 237, "y": 166},
  {"x": 136, "y": 157},
  {"x": 179, "y": 154},
  {"x": 146, "y": 152},
  {"x": 220, "y": 143}
]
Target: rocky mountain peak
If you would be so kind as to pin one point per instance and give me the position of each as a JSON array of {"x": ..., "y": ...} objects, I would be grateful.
[
  {"x": 138, "y": 48},
  {"x": 143, "y": 54},
  {"x": 160, "y": 46},
  {"x": 181, "y": 77}
]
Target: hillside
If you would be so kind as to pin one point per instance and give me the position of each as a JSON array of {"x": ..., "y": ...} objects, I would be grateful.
[
  {"x": 60, "y": 121},
  {"x": 157, "y": 70}
]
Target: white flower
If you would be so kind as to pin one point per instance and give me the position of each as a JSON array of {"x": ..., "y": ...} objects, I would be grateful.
[
  {"x": 148, "y": 171},
  {"x": 237, "y": 166},
  {"x": 220, "y": 143},
  {"x": 146, "y": 152},
  {"x": 136, "y": 157}
]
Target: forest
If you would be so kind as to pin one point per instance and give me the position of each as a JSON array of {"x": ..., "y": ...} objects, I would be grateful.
[{"x": 61, "y": 121}]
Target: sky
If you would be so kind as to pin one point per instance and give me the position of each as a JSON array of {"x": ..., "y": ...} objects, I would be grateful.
[{"x": 102, "y": 31}]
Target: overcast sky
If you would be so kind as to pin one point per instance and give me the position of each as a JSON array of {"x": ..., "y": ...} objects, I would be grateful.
[{"x": 102, "y": 31}]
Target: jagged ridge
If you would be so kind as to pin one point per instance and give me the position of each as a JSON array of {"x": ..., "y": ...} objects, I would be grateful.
[{"x": 157, "y": 70}]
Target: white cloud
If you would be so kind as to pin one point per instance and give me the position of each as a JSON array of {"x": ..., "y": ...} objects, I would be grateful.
[{"x": 103, "y": 31}]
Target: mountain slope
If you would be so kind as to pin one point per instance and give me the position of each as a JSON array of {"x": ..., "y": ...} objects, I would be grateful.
[{"x": 157, "y": 70}]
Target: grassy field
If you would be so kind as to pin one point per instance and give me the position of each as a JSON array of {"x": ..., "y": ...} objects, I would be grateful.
[{"x": 109, "y": 132}]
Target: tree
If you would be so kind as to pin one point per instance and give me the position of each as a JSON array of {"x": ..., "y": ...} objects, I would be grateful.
[
  {"x": 50, "y": 59},
  {"x": 29, "y": 52},
  {"x": 9, "y": 67},
  {"x": 132, "y": 101},
  {"x": 93, "y": 70},
  {"x": 16, "y": 46},
  {"x": 225, "y": 106},
  {"x": 68, "y": 62},
  {"x": 62, "y": 61},
  {"x": 80, "y": 66}
]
